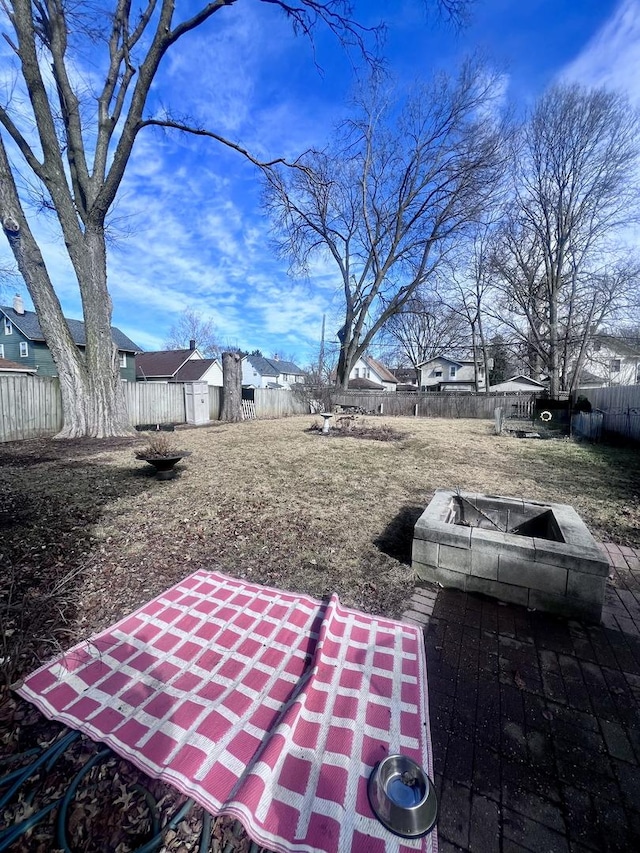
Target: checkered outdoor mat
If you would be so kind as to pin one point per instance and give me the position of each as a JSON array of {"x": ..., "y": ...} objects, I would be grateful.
[{"x": 264, "y": 705}]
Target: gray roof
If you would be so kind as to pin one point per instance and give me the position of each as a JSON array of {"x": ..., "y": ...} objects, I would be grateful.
[
  {"x": 459, "y": 361},
  {"x": 618, "y": 345},
  {"x": 272, "y": 366},
  {"x": 28, "y": 324}
]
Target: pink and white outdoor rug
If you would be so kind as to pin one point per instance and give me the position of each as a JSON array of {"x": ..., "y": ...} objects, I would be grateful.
[{"x": 265, "y": 705}]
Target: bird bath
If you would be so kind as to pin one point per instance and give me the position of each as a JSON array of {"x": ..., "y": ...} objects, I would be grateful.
[{"x": 325, "y": 426}]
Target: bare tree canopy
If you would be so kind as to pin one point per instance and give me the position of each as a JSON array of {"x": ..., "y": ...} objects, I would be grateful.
[
  {"x": 390, "y": 195},
  {"x": 191, "y": 326},
  {"x": 75, "y": 151},
  {"x": 559, "y": 263},
  {"x": 424, "y": 328}
]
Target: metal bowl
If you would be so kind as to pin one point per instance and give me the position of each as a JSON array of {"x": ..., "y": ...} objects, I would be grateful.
[{"x": 402, "y": 796}]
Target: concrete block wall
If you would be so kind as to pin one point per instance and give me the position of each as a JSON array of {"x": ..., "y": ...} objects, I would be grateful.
[{"x": 567, "y": 577}]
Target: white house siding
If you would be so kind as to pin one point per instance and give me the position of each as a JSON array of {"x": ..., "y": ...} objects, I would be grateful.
[
  {"x": 250, "y": 376},
  {"x": 363, "y": 370},
  {"x": 613, "y": 368},
  {"x": 213, "y": 375},
  {"x": 438, "y": 371}
]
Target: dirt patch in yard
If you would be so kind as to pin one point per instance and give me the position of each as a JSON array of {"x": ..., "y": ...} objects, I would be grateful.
[{"x": 90, "y": 533}]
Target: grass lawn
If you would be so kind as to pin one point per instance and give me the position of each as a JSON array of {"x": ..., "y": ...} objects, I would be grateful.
[{"x": 89, "y": 533}]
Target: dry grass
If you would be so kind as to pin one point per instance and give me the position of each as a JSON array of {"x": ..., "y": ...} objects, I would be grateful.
[
  {"x": 91, "y": 533},
  {"x": 273, "y": 502}
]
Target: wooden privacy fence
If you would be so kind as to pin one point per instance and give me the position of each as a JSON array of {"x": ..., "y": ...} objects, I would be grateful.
[
  {"x": 154, "y": 402},
  {"x": 31, "y": 407},
  {"x": 279, "y": 404},
  {"x": 587, "y": 425},
  {"x": 620, "y": 408},
  {"x": 438, "y": 405}
]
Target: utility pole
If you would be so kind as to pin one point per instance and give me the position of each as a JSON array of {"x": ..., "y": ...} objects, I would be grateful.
[{"x": 321, "y": 356}]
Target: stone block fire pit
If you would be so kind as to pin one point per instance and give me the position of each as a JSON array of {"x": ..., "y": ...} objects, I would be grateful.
[{"x": 525, "y": 552}]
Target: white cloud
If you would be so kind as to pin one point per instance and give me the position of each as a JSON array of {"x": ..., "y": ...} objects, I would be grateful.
[{"x": 612, "y": 57}]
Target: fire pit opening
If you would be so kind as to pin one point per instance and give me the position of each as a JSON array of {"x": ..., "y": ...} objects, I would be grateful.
[
  {"x": 540, "y": 555},
  {"x": 518, "y": 517}
]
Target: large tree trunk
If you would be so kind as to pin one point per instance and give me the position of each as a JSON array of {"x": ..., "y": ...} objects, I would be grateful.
[
  {"x": 485, "y": 352},
  {"x": 92, "y": 395},
  {"x": 231, "y": 387},
  {"x": 105, "y": 407},
  {"x": 554, "y": 373}
]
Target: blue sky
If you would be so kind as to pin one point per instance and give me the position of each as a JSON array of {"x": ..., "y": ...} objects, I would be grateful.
[{"x": 195, "y": 234}]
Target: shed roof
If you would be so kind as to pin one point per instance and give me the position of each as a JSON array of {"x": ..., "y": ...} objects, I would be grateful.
[
  {"x": 522, "y": 379},
  {"x": 364, "y": 385},
  {"x": 28, "y": 324},
  {"x": 8, "y": 366}
]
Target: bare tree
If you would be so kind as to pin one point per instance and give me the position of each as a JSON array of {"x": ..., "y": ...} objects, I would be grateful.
[
  {"x": 386, "y": 201},
  {"x": 600, "y": 291},
  {"x": 78, "y": 152},
  {"x": 425, "y": 327},
  {"x": 576, "y": 188},
  {"x": 470, "y": 286},
  {"x": 191, "y": 326}
]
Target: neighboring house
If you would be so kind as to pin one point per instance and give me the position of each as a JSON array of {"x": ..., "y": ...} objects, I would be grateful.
[
  {"x": 22, "y": 341},
  {"x": 11, "y": 368},
  {"x": 261, "y": 372},
  {"x": 178, "y": 365},
  {"x": 450, "y": 374},
  {"x": 369, "y": 368},
  {"x": 519, "y": 383},
  {"x": 407, "y": 378},
  {"x": 610, "y": 361}
]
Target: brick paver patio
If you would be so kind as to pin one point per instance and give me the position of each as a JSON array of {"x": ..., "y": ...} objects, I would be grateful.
[{"x": 535, "y": 720}]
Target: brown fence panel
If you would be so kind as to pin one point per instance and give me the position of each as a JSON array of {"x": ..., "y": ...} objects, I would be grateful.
[
  {"x": 437, "y": 405},
  {"x": 274, "y": 403},
  {"x": 620, "y": 407},
  {"x": 155, "y": 402},
  {"x": 215, "y": 402},
  {"x": 30, "y": 407}
]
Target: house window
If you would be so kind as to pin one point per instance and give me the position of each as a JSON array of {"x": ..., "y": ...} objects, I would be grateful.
[
  {"x": 24, "y": 349},
  {"x": 437, "y": 373},
  {"x": 8, "y": 328},
  {"x": 615, "y": 365},
  {"x": 368, "y": 374},
  {"x": 123, "y": 359},
  {"x": 1, "y": 350},
  {"x": 357, "y": 372},
  {"x": 452, "y": 372}
]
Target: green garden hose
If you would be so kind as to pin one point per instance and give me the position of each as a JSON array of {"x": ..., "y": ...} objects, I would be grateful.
[{"x": 48, "y": 757}]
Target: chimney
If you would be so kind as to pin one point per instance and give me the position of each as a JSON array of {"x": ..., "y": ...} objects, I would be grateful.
[
  {"x": 18, "y": 304},
  {"x": 192, "y": 344}
]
